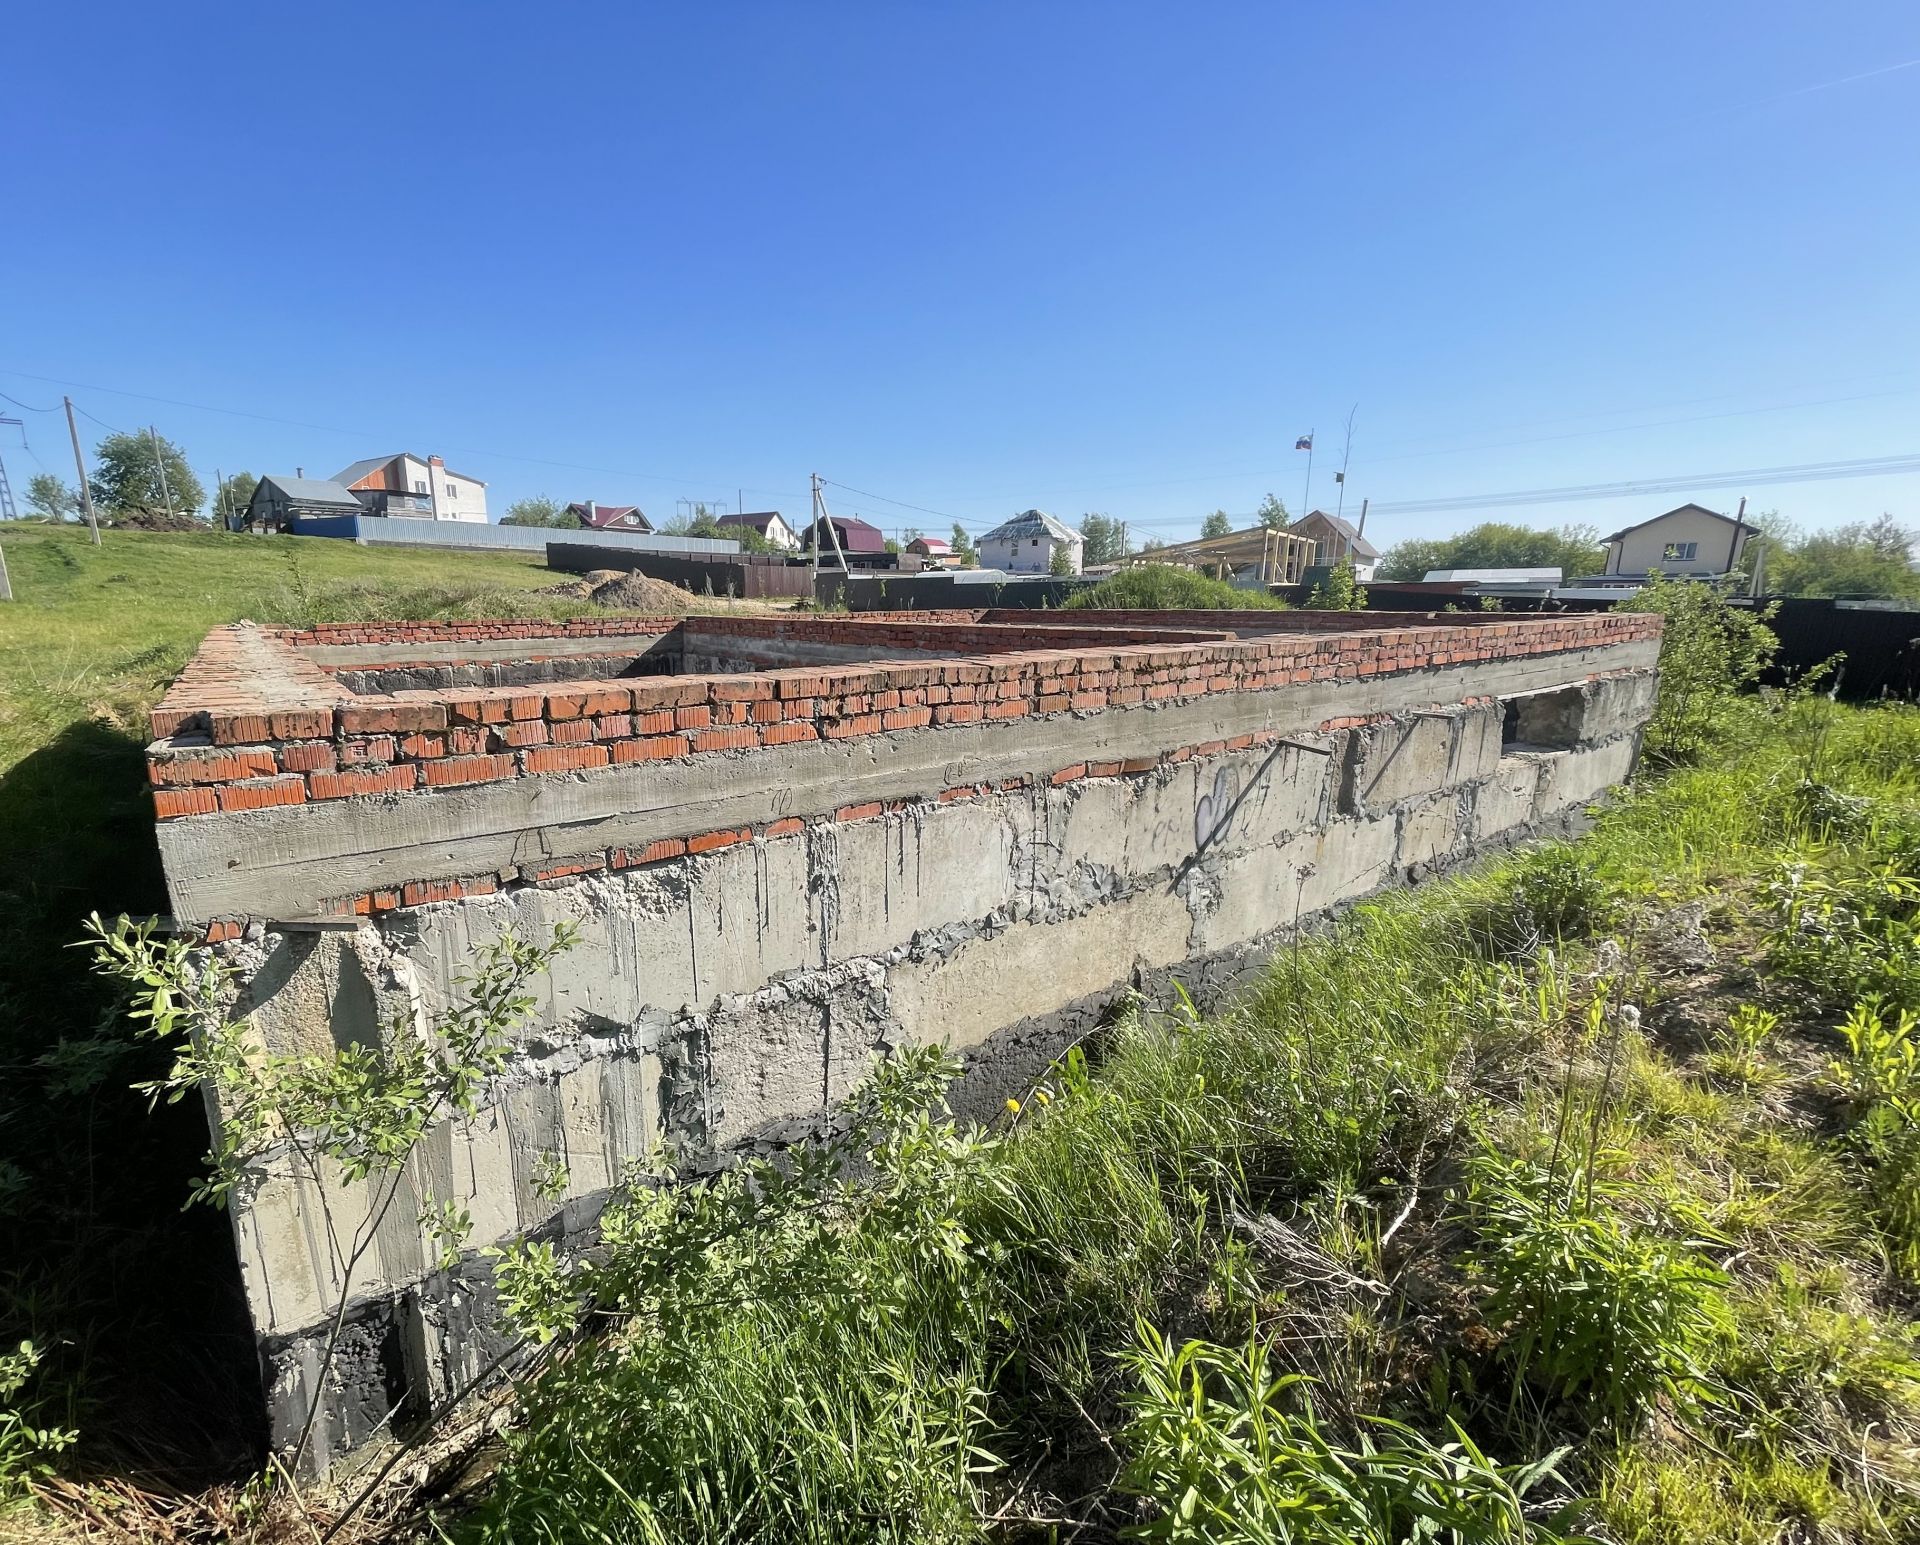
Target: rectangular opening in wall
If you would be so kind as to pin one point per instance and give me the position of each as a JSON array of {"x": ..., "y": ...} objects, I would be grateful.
[{"x": 1543, "y": 721}]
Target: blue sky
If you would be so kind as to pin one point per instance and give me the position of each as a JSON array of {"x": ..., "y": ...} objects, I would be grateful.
[{"x": 977, "y": 257}]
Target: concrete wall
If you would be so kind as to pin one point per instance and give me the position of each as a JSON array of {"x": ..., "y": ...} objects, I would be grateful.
[
  {"x": 406, "y": 531},
  {"x": 758, "y": 923}
]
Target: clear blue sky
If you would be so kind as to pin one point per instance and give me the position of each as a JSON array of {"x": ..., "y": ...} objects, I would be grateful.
[{"x": 979, "y": 256}]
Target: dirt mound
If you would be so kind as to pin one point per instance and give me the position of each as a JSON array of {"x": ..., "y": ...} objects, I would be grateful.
[{"x": 641, "y": 593}]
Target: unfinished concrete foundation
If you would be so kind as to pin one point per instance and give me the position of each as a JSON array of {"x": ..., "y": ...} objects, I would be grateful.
[{"x": 790, "y": 844}]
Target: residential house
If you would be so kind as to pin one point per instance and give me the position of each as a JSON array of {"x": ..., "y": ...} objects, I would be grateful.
[
  {"x": 854, "y": 536},
  {"x": 935, "y": 552},
  {"x": 769, "y": 523},
  {"x": 416, "y": 486},
  {"x": 1339, "y": 540},
  {"x": 1026, "y": 544},
  {"x": 610, "y": 517},
  {"x": 1691, "y": 540},
  {"x": 276, "y": 500}
]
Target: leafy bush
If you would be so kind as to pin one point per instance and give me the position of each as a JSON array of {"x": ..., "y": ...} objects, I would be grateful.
[
  {"x": 1339, "y": 591},
  {"x": 26, "y": 1441},
  {"x": 1558, "y": 892},
  {"x": 1215, "y": 1451},
  {"x": 1845, "y": 930},
  {"x": 1710, "y": 651},
  {"x": 1164, "y": 587},
  {"x": 1592, "y": 1307}
]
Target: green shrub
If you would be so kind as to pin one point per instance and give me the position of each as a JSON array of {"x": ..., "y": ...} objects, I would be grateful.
[
  {"x": 1558, "y": 892},
  {"x": 1591, "y": 1307},
  {"x": 1164, "y": 587},
  {"x": 1338, "y": 592},
  {"x": 1216, "y": 1452},
  {"x": 1710, "y": 652},
  {"x": 26, "y": 1439},
  {"x": 1847, "y": 930}
]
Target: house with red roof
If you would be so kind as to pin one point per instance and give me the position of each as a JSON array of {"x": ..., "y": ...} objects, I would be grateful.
[{"x": 610, "y": 517}]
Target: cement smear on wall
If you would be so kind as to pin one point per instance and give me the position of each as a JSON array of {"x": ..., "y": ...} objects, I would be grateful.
[{"x": 995, "y": 889}]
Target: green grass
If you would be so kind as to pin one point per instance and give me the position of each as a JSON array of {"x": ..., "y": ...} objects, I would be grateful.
[
  {"x": 1462, "y": 1190},
  {"x": 94, "y": 633},
  {"x": 134, "y": 1304}
]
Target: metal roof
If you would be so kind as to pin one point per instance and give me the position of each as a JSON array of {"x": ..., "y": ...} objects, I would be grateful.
[
  {"x": 600, "y": 516},
  {"x": 1358, "y": 545},
  {"x": 1031, "y": 523},
  {"x": 312, "y": 490},
  {"x": 361, "y": 468},
  {"x": 1496, "y": 576},
  {"x": 1680, "y": 509}
]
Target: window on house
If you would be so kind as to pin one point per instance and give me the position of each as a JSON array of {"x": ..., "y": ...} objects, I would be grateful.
[
  {"x": 419, "y": 485},
  {"x": 452, "y": 489},
  {"x": 1681, "y": 552},
  {"x": 1036, "y": 541}
]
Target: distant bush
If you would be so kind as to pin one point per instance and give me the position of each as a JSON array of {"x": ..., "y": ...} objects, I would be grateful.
[{"x": 1162, "y": 587}]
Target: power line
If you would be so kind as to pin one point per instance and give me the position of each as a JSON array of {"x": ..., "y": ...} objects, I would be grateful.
[
  {"x": 1806, "y": 472},
  {"x": 29, "y": 407},
  {"x": 920, "y": 508},
  {"x": 98, "y": 420}
]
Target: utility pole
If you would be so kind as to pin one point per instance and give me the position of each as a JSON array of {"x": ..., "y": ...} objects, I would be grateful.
[
  {"x": 1306, "y": 498},
  {"x": 80, "y": 466},
  {"x": 160, "y": 463},
  {"x": 821, "y": 516},
  {"x": 1340, "y": 477},
  {"x": 7, "y": 512}
]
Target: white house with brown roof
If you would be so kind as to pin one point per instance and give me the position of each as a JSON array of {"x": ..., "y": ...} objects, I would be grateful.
[
  {"x": 1691, "y": 540},
  {"x": 416, "y": 486}
]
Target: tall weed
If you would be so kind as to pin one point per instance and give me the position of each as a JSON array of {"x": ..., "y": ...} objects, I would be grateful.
[{"x": 1225, "y": 1450}]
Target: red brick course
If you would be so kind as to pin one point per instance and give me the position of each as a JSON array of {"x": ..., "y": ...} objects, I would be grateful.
[{"x": 252, "y": 713}]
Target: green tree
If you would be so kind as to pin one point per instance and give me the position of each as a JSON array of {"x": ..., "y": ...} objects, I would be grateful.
[
  {"x": 963, "y": 546},
  {"x": 1273, "y": 514},
  {"x": 1060, "y": 565},
  {"x": 234, "y": 495},
  {"x": 1710, "y": 652},
  {"x": 1338, "y": 592},
  {"x": 1574, "y": 550},
  {"x": 1868, "y": 559},
  {"x": 1106, "y": 539},
  {"x": 1219, "y": 523},
  {"x": 539, "y": 510},
  {"x": 127, "y": 477},
  {"x": 50, "y": 498}
]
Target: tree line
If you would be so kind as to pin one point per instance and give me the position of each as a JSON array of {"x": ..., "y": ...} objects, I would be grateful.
[
  {"x": 137, "y": 478},
  {"x": 1871, "y": 559}
]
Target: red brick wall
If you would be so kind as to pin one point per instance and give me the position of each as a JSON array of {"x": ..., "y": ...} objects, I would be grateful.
[{"x": 252, "y": 723}]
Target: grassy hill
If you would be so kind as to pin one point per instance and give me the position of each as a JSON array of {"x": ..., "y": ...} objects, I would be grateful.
[
  {"x": 133, "y": 1299},
  {"x": 94, "y": 633}
]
